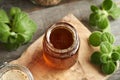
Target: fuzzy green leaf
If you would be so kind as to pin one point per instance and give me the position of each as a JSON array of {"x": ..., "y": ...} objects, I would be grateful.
[
  {"x": 94, "y": 8},
  {"x": 24, "y": 26},
  {"x": 106, "y": 36},
  {"x": 12, "y": 37},
  {"x": 115, "y": 13},
  {"x": 107, "y": 4},
  {"x": 104, "y": 58},
  {"x": 20, "y": 38},
  {"x": 14, "y": 11},
  {"x": 16, "y": 31},
  {"x": 103, "y": 22},
  {"x": 95, "y": 38},
  {"x": 106, "y": 47},
  {"x": 27, "y": 36},
  {"x": 112, "y": 8},
  {"x": 109, "y": 68},
  {"x": 4, "y": 32},
  {"x": 18, "y": 18},
  {"x": 3, "y": 16},
  {"x": 14, "y": 41},
  {"x": 23, "y": 23},
  {"x": 95, "y": 58},
  {"x": 117, "y": 49},
  {"x": 94, "y": 18},
  {"x": 115, "y": 56}
]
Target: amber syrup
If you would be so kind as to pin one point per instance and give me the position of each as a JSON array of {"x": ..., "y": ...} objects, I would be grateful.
[{"x": 60, "y": 45}]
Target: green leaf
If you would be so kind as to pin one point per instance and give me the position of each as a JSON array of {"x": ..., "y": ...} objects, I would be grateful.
[
  {"x": 94, "y": 8},
  {"x": 106, "y": 36},
  {"x": 14, "y": 41},
  {"x": 14, "y": 11},
  {"x": 103, "y": 22},
  {"x": 19, "y": 31},
  {"x": 115, "y": 13},
  {"x": 3, "y": 16},
  {"x": 16, "y": 38},
  {"x": 99, "y": 19},
  {"x": 95, "y": 58},
  {"x": 106, "y": 47},
  {"x": 117, "y": 49},
  {"x": 109, "y": 68},
  {"x": 27, "y": 36},
  {"x": 95, "y": 38},
  {"x": 19, "y": 17},
  {"x": 20, "y": 38},
  {"x": 23, "y": 23},
  {"x": 12, "y": 37},
  {"x": 24, "y": 26},
  {"x": 114, "y": 6},
  {"x": 115, "y": 56},
  {"x": 107, "y": 4},
  {"x": 4, "y": 32},
  {"x": 94, "y": 18},
  {"x": 104, "y": 58}
]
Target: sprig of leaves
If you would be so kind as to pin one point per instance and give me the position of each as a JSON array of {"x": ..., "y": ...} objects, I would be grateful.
[
  {"x": 108, "y": 54},
  {"x": 99, "y": 16},
  {"x": 17, "y": 29}
]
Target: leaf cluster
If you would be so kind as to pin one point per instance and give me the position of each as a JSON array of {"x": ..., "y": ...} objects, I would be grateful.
[
  {"x": 99, "y": 16},
  {"x": 16, "y": 28},
  {"x": 108, "y": 55}
]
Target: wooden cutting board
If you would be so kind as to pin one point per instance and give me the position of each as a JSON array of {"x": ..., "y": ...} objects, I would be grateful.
[{"x": 82, "y": 70}]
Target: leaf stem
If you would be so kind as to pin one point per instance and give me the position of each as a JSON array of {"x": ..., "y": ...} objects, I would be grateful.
[{"x": 104, "y": 13}]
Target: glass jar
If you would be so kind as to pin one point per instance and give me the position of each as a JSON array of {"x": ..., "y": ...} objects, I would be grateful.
[
  {"x": 15, "y": 72},
  {"x": 60, "y": 46},
  {"x": 46, "y": 2}
]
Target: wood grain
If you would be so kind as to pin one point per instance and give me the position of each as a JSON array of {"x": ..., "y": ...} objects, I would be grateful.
[{"x": 82, "y": 70}]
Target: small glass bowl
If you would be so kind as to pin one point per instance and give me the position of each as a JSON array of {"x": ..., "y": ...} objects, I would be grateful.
[{"x": 9, "y": 67}]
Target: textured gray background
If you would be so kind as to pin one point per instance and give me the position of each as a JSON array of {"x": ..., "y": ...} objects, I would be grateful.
[{"x": 45, "y": 16}]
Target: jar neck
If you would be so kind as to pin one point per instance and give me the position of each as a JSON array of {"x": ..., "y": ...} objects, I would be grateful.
[{"x": 71, "y": 50}]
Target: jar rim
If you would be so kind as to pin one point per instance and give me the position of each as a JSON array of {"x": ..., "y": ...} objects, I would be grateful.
[
  {"x": 9, "y": 67},
  {"x": 68, "y": 27}
]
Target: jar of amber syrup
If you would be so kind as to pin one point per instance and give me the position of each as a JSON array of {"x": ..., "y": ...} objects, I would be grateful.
[{"x": 60, "y": 46}]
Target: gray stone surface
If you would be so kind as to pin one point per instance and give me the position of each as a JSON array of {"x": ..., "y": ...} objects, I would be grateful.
[{"x": 45, "y": 17}]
